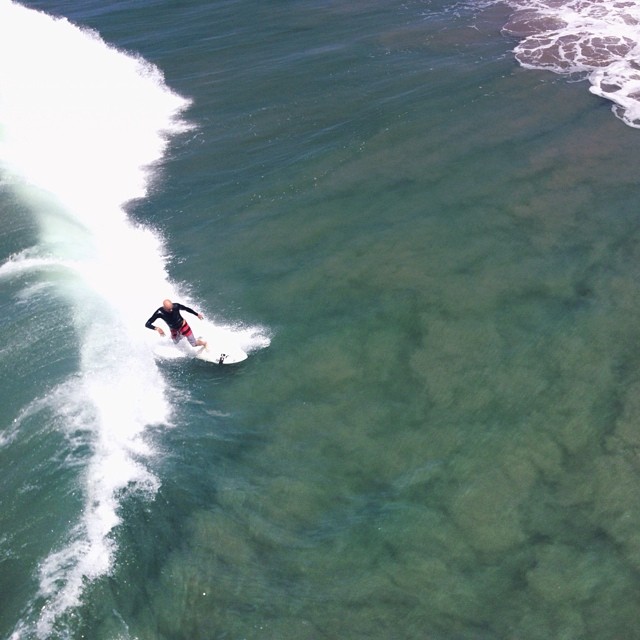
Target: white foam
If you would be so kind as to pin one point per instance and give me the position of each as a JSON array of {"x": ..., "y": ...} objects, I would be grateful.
[
  {"x": 94, "y": 117},
  {"x": 228, "y": 336},
  {"x": 80, "y": 125},
  {"x": 597, "y": 38},
  {"x": 111, "y": 470},
  {"x": 28, "y": 261}
]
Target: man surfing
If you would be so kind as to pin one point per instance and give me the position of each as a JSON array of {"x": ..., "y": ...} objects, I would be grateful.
[{"x": 170, "y": 313}]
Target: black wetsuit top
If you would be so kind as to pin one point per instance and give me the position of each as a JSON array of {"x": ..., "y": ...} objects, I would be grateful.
[{"x": 172, "y": 318}]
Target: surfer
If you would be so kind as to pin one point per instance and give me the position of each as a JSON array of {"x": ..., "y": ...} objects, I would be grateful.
[{"x": 170, "y": 313}]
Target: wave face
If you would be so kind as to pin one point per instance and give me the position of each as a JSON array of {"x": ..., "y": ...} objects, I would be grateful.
[
  {"x": 599, "y": 38},
  {"x": 81, "y": 125}
]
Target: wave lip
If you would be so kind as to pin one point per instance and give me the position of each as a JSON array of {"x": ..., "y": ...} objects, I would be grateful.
[
  {"x": 600, "y": 39},
  {"x": 94, "y": 117}
]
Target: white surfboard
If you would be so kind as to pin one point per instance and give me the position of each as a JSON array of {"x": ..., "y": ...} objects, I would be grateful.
[
  {"x": 223, "y": 352},
  {"x": 228, "y": 356}
]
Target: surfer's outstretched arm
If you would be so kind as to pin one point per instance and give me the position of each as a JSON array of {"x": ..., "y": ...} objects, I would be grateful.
[
  {"x": 183, "y": 307},
  {"x": 149, "y": 323}
]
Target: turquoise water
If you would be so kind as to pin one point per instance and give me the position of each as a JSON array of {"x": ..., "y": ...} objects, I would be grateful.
[{"x": 435, "y": 434}]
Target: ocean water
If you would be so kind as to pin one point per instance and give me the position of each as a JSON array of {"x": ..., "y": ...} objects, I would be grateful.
[{"x": 420, "y": 219}]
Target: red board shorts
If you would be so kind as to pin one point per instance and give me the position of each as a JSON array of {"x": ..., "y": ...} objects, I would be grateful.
[{"x": 183, "y": 332}]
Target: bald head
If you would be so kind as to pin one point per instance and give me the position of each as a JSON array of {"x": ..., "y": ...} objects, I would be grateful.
[{"x": 167, "y": 304}]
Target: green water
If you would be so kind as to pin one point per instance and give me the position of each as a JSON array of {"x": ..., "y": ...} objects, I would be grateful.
[{"x": 441, "y": 441}]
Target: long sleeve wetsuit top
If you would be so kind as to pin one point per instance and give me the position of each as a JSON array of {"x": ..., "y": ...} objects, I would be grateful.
[{"x": 172, "y": 318}]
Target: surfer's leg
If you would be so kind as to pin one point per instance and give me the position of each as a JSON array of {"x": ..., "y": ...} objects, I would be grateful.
[{"x": 186, "y": 331}]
